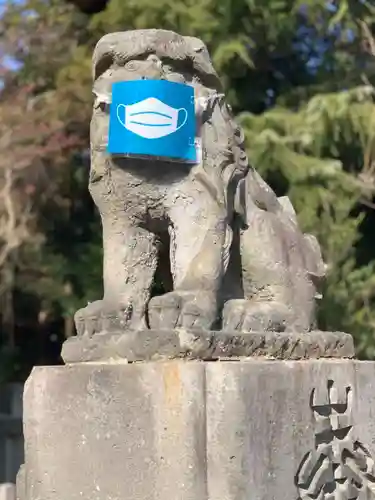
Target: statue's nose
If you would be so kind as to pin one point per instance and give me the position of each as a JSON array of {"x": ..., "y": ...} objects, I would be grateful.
[
  {"x": 155, "y": 61},
  {"x": 152, "y": 69}
]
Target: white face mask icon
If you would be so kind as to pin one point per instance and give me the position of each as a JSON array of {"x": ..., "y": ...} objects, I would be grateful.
[{"x": 150, "y": 118}]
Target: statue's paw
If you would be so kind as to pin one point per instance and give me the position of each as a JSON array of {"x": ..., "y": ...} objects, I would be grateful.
[
  {"x": 251, "y": 316},
  {"x": 88, "y": 319},
  {"x": 196, "y": 310},
  {"x": 100, "y": 317}
]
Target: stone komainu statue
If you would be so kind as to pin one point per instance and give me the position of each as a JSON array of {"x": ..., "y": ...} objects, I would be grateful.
[{"x": 237, "y": 258}]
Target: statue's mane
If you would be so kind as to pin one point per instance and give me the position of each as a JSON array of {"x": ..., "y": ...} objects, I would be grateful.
[{"x": 224, "y": 160}]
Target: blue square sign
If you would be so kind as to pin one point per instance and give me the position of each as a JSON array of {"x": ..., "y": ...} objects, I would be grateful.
[{"x": 152, "y": 118}]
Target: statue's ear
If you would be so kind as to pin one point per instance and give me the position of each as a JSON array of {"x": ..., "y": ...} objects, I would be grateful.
[
  {"x": 195, "y": 45},
  {"x": 101, "y": 65},
  {"x": 104, "y": 54},
  {"x": 197, "y": 53}
]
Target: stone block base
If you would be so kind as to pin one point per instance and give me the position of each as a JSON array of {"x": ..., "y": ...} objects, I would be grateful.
[
  {"x": 152, "y": 345},
  {"x": 7, "y": 491},
  {"x": 190, "y": 430}
]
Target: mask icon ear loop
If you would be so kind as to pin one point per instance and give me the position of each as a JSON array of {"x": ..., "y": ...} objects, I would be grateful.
[
  {"x": 185, "y": 119},
  {"x": 118, "y": 116}
]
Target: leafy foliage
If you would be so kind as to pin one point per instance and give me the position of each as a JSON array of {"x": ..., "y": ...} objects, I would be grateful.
[{"x": 298, "y": 73}]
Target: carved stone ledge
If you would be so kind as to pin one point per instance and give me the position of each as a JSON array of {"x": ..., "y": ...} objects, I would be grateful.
[{"x": 155, "y": 345}]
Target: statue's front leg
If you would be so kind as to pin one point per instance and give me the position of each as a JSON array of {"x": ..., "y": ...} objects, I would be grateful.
[
  {"x": 199, "y": 239},
  {"x": 129, "y": 263}
]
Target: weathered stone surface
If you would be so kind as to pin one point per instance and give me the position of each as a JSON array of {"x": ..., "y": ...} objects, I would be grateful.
[
  {"x": 218, "y": 431},
  {"x": 150, "y": 345},
  {"x": 7, "y": 491},
  {"x": 237, "y": 255},
  {"x": 21, "y": 483}
]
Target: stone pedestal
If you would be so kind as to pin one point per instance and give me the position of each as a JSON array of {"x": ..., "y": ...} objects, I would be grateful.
[
  {"x": 7, "y": 491},
  {"x": 194, "y": 430}
]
